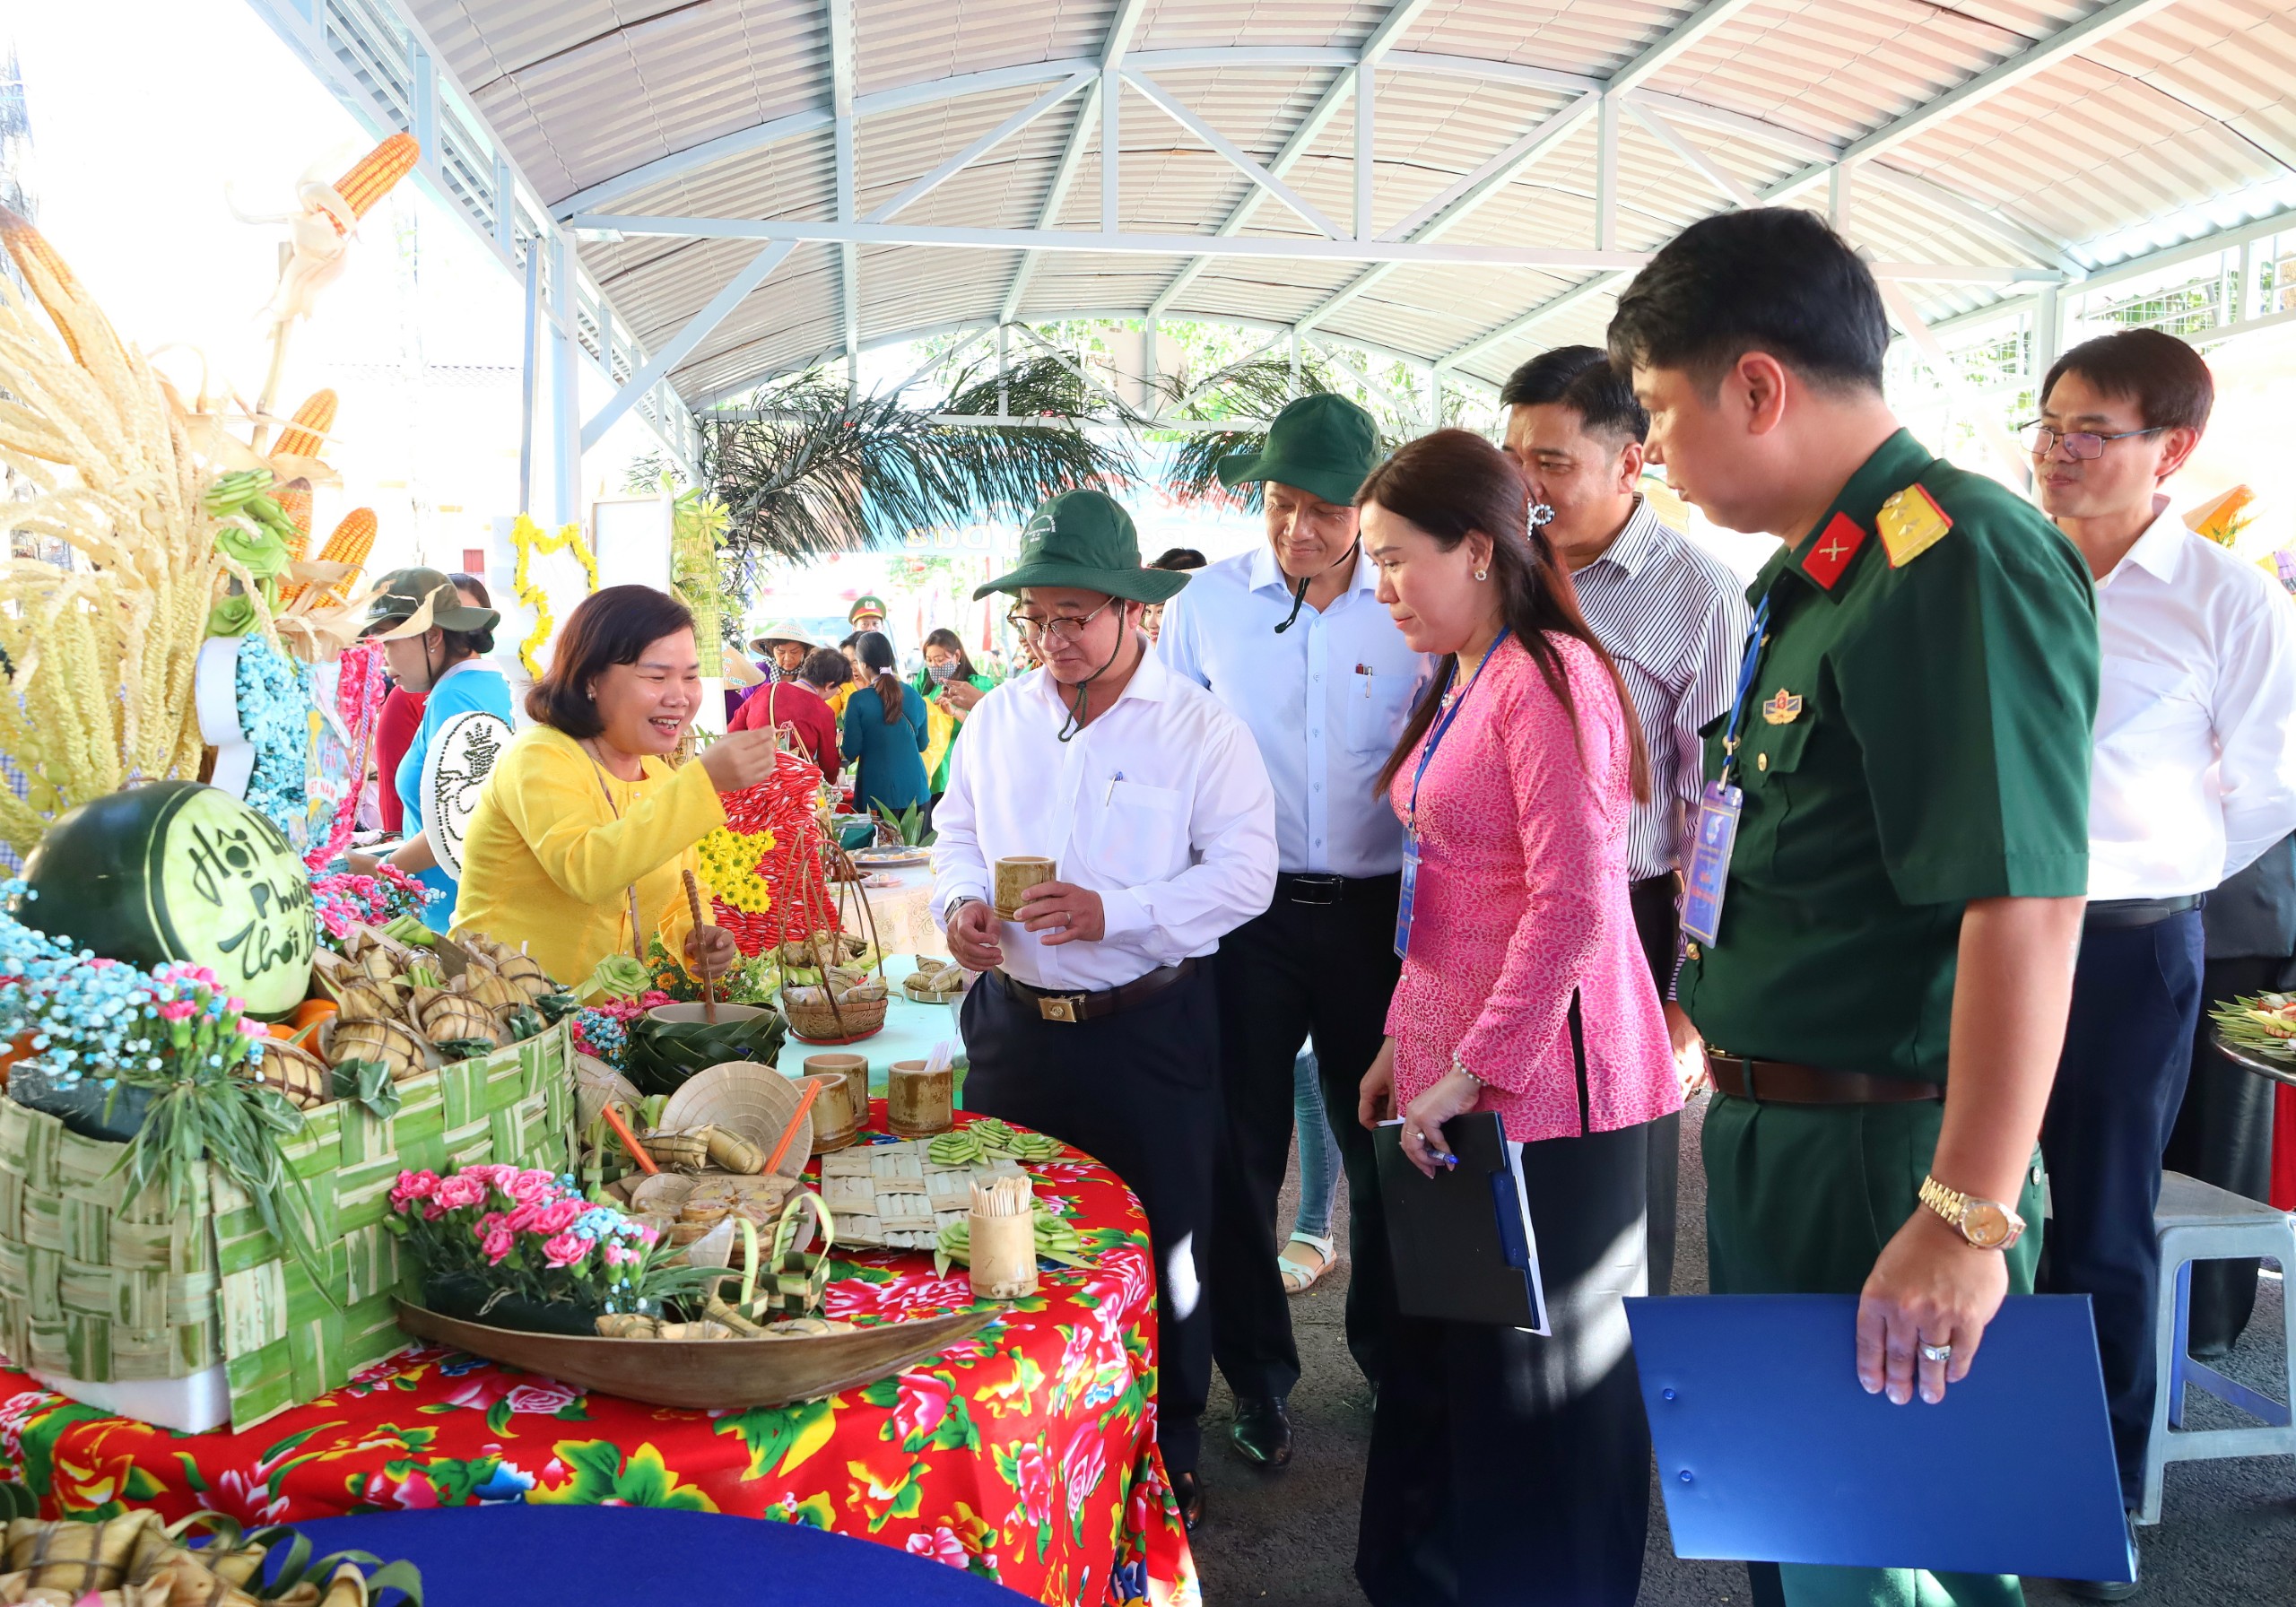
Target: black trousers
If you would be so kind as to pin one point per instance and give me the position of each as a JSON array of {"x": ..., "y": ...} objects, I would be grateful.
[
  {"x": 1657, "y": 922},
  {"x": 1507, "y": 1470},
  {"x": 2223, "y": 1136},
  {"x": 1324, "y": 971},
  {"x": 2127, "y": 1049},
  {"x": 1140, "y": 1091}
]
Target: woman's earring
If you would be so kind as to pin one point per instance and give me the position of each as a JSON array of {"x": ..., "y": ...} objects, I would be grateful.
[{"x": 1483, "y": 574}]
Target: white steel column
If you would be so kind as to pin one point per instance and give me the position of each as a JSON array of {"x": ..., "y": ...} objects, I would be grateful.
[
  {"x": 565, "y": 376},
  {"x": 848, "y": 268},
  {"x": 1367, "y": 96}
]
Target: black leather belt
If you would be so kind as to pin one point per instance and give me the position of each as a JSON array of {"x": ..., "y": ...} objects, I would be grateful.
[
  {"x": 1054, "y": 1006},
  {"x": 2114, "y": 913},
  {"x": 1783, "y": 1083},
  {"x": 1301, "y": 887}
]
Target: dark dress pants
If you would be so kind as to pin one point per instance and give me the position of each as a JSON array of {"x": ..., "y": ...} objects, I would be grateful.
[
  {"x": 1323, "y": 971},
  {"x": 1508, "y": 1469},
  {"x": 2127, "y": 1049},
  {"x": 1657, "y": 922},
  {"x": 2223, "y": 1136},
  {"x": 1139, "y": 1091}
]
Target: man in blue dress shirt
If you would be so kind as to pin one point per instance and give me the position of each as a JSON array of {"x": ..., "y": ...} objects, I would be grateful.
[{"x": 1293, "y": 639}]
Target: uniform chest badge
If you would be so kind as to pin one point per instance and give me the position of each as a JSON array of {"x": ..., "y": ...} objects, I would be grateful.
[
  {"x": 1783, "y": 709},
  {"x": 1911, "y": 523}
]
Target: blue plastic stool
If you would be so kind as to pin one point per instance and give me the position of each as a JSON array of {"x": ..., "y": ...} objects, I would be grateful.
[{"x": 2198, "y": 1221}]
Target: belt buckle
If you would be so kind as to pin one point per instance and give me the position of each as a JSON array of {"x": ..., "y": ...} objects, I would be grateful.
[
  {"x": 1059, "y": 1007},
  {"x": 1332, "y": 888}
]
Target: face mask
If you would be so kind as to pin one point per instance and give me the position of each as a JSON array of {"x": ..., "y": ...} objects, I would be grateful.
[{"x": 942, "y": 670}]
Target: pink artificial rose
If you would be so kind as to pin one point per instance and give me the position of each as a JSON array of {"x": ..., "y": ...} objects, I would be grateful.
[
  {"x": 251, "y": 1028},
  {"x": 618, "y": 1254},
  {"x": 413, "y": 1185},
  {"x": 461, "y": 1191},
  {"x": 497, "y": 1244},
  {"x": 522, "y": 1220},
  {"x": 178, "y": 1010},
  {"x": 565, "y": 1250},
  {"x": 530, "y": 1186},
  {"x": 648, "y": 1236}
]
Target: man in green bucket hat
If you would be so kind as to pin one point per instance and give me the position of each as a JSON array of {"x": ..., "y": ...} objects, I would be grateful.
[
  {"x": 1147, "y": 802},
  {"x": 1294, "y": 639}
]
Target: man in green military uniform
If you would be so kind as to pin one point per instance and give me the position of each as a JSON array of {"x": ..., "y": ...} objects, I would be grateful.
[{"x": 1883, "y": 963}]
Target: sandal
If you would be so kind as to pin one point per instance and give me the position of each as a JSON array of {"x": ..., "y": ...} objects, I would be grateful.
[{"x": 1298, "y": 1275}]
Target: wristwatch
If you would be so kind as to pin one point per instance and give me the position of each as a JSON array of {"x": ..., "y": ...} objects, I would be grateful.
[
  {"x": 957, "y": 903},
  {"x": 1987, "y": 1224}
]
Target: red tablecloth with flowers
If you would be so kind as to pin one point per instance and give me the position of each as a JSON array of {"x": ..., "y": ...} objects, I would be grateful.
[{"x": 1026, "y": 1454}]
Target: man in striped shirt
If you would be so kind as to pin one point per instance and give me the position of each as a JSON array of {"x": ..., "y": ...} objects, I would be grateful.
[{"x": 1675, "y": 620}]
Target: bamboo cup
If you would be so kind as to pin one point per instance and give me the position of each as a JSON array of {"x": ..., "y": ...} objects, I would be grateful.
[
  {"x": 855, "y": 1069},
  {"x": 1002, "y": 1244},
  {"x": 1014, "y": 876},
  {"x": 919, "y": 1103},
  {"x": 835, "y": 1121}
]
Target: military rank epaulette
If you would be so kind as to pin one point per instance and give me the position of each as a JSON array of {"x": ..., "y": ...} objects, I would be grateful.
[{"x": 1911, "y": 523}]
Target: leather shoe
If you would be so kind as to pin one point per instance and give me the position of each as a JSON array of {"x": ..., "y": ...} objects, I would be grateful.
[
  {"x": 1187, "y": 1493},
  {"x": 1262, "y": 1431},
  {"x": 2110, "y": 1590}
]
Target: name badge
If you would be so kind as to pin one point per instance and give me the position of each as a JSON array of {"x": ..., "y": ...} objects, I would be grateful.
[
  {"x": 1408, "y": 890},
  {"x": 1710, "y": 860}
]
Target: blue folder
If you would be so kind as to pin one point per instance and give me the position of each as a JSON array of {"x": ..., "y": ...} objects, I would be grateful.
[{"x": 1770, "y": 1450}]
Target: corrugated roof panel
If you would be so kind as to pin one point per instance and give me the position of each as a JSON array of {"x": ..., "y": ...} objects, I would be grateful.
[
  {"x": 2187, "y": 108},
  {"x": 913, "y": 42},
  {"x": 1195, "y": 24}
]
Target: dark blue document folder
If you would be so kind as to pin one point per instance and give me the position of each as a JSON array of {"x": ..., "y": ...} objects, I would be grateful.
[{"x": 1771, "y": 1451}]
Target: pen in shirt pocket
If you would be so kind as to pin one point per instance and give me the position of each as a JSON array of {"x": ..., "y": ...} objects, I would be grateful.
[
  {"x": 1110, "y": 796},
  {"x": 1365, "y": 670}
]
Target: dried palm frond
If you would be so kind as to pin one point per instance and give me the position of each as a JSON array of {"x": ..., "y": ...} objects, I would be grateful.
[
  {"x": 818, "y": 470},
  {"x": 100, "y": 661}
]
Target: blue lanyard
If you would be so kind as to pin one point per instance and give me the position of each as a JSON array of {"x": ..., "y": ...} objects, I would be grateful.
[
  {"x": 1749, "y": 662},
  {"x": 1450, "y": 714}
]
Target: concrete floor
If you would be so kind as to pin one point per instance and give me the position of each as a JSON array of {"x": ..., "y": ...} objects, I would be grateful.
[{"x": 2227, "y": 1536}]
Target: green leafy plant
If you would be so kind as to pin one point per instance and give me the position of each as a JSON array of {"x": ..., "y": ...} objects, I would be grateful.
[{"x": 909, "y": 825}]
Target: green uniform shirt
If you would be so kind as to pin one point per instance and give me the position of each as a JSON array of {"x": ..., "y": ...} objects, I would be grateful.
[{"x": 1939, "y": 753}]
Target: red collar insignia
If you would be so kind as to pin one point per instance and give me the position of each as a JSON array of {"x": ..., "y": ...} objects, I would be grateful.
[{"x": 1831, "y": 553}]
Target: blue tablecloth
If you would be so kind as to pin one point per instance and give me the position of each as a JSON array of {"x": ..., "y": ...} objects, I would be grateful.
[
  {"x": 505, "y": 1556},
  {"x": 910, "y": 1033}
]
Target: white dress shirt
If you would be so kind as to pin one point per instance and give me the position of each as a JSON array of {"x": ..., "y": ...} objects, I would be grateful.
[
  {"x": 2194, "y": 773},
  {"x": 1326, "y": 701},
  {"x": 1161, "y": 805},
  {"x": 1674, "y": 622}
]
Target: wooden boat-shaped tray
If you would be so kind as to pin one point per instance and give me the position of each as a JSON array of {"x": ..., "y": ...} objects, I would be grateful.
[{"x": 702, "y": 1374}]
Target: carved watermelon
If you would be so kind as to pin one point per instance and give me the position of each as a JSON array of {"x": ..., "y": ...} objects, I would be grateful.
[{"x": 177, "y": 871}]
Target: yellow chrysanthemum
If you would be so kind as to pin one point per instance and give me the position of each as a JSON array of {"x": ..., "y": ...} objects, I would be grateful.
[{"x": 729, "y": 863}]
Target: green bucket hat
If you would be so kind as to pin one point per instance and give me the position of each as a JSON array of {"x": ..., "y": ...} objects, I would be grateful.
[
  {"x": 412, "y": 601},
  {"x": 1323, "y": 444},
  {"x": 1085, "y": 539}
]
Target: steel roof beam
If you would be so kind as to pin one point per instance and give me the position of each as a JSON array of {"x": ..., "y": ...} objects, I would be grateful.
[
  {"x": 674, "y": 350},
  {"x": 1114, "y": 46},
  {"x": 980, "y": 147},
  {"x": 1462, "y": 198},
  {"x": 1399, "y": 17},
  {"x": 848, "y": 264},
  {"x": 1236, "y": 157}
]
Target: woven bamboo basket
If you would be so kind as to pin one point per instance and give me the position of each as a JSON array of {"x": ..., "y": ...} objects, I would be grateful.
[{"x": 100, "y": 1289}]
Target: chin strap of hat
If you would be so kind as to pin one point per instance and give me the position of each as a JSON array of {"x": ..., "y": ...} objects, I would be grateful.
[
  {"x": 1074, "y": 722},
  {"x": 1299, "y": 591}
]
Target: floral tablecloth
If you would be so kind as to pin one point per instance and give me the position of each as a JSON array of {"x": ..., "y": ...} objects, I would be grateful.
[{"x": 1026, "y": 1455}]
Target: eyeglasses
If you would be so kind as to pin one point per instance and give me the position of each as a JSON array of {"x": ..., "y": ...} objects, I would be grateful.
[
  {"x": 2081, "y": 445},
  {"x": 1060, "y": 628}
]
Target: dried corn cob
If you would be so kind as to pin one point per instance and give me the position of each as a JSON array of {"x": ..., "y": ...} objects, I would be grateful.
[
  {"x": 50, "y": 277},
  {"x": 352, "y": 540},
  {"x": 371, "y": 177},
  {"x": 307, "y": 432}
]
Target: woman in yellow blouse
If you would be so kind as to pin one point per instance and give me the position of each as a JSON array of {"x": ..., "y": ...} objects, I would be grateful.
[{"x": 579, "y": 843}]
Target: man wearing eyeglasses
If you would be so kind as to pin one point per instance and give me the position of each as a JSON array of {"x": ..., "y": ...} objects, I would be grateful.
[
  {"x": 1097, "y": 1020},
  {"x": 2194, "y": 777}
]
